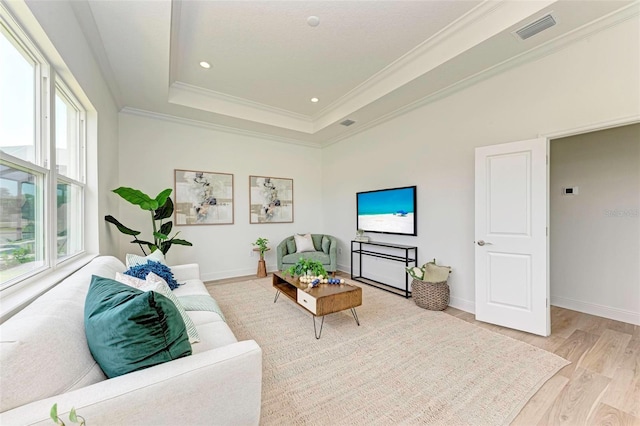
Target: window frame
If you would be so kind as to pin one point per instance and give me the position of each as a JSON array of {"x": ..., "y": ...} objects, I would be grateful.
[
  {"x": 81, "y": 131},
  {"x": 47, "y": 83}
]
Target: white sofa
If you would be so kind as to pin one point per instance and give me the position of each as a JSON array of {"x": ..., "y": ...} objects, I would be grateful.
[{"x": 45, "y": 359}]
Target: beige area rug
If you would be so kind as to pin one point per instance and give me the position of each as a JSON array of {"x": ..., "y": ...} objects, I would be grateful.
[{"x": 402, "y": 365}]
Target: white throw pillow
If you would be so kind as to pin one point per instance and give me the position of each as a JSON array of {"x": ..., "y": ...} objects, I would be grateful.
[
  {"x": 135, "y": 260},
  {"x": 304, "y": 243},
  {"x": 130, "y": 281},
  {"x": 159, "y": 285}
]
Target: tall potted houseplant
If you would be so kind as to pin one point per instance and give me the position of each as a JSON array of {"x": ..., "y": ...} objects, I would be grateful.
[{"x": 159, "y": 208}]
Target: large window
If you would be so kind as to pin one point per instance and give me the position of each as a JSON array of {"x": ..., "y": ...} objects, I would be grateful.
[
  {"x": 17, "y": 100},
  {"x": 42, "y": 162},
  {"x": 21, "y": 222}
]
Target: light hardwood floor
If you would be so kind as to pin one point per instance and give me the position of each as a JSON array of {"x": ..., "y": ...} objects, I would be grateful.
[{"x": 601, "y": 386}]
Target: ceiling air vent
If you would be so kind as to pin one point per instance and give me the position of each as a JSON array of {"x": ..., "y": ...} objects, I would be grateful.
[
  {"x": 347, "y": 123},
  {"x": 536, "y": 27}
]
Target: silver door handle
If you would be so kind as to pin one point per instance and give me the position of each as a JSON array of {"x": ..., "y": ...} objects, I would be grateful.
[{"x": 481, "y": 243}]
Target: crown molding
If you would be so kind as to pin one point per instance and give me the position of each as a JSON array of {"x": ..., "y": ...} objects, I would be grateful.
[
  {"x": 217, "y": 127},
  {"x": 593, "y": 127},
  {"x": 608, "y": 21},
  {"x": 86, "y": 20},
  {"x": 179, "y": 85},
  {"x": 482, "y": 22},
  {"x": 185, "y": 94},
  {"x": 413, "y": 55},
  {"x": 270, "y": 115},
  {"x": 613, "y": 19},
  {"x": 192, "y": 96},
  {"x": 181, "y": 93}
]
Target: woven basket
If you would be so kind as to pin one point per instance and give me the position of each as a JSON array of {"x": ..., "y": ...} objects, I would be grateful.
[{"x": 432, "y": 296}]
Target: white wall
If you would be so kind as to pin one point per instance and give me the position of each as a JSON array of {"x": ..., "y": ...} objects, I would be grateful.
[
  {"x": 71, "y": 48},
  {"x": 150, "y": 150},
  {"x": 595, "y": 234},
  {"x": 594, "y": 80}
]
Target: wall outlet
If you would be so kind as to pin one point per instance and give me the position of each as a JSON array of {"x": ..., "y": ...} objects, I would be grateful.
[
  {"x": 252, "y": 253},
  {"x": 339, "y": 250}
]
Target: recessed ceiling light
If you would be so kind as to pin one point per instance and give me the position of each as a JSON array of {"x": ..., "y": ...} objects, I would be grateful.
[
  {"x": 314, "y": 100},
  {"x": 205, "y": 65},
  {"x": 313, "y": 21}
]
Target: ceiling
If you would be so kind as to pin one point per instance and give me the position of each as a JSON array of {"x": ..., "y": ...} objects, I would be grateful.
[{"x": 365, "y": 60}]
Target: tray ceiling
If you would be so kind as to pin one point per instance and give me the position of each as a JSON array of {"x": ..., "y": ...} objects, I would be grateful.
[{"x": 363, "y": 61}]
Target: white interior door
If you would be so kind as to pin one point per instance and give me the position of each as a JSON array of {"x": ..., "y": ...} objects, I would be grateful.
[{"x": 511, "y": 250}]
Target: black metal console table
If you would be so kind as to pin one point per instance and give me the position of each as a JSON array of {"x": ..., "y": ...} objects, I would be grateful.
[{"x": 369, "y": 249}]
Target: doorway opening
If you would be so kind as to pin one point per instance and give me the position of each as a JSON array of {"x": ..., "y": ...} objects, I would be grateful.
[{"x": 594, "y": 222}]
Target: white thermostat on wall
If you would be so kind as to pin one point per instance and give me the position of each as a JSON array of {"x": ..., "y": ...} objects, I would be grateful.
[{"x": 572, "y": 190}]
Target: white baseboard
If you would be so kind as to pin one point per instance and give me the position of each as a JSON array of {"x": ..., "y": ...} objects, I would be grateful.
[
  {"x": 463, "y": 304},
  {"x": 455, "y": 302},
  {"x": 469, "y": 305},
  {"x": 595, "y": 309},
  {"x": 563, "y": 302},
  {"x": 231, "y": 273},
  {"x": 343, "y": 268}
]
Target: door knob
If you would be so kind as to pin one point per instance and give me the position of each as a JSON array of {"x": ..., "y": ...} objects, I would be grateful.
[{"x": 481, "y": 243}]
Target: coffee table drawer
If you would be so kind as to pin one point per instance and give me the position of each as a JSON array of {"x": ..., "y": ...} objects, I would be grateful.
[{"x": 306, "y": 300}]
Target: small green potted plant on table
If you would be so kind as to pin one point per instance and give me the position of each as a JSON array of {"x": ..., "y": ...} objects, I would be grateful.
[
  {"x": 305, "y": 266},
  {"x": 261, "y": 246}
]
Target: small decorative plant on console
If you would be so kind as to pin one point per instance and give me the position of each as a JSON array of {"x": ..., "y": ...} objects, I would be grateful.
[
  {"x": 361, "y": 237},
  {"x": 160, "y": 208},
  {"x": 261, "y": 243}
]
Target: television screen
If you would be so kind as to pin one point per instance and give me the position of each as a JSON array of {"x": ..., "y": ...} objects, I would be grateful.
[{"x": 387, "y": 211}]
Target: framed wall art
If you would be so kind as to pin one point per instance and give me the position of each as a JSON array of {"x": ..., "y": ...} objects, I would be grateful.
[
  {"x": 203, "y": 198},
  {"x": 270, "y": 199}
]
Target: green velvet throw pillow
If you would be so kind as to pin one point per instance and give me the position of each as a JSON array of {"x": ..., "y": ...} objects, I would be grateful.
[
  {"x": 326, "y": 244},
  {"x": 129, "y": 330},
  {"x": 317, "y": 241},
  {"x": 291, "y": 246}
]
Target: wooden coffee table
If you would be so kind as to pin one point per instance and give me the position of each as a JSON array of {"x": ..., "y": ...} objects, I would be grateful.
[{"x": 321, "y": 300}]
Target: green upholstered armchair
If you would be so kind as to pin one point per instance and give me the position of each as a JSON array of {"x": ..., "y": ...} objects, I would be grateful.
[{"x": 326, "y": 252}]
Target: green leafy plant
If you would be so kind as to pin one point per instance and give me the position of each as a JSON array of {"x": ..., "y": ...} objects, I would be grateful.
[
  {"x": 73, "y": 416},
  {"x": 21, "y": 254},
  {"x": 304, "y": 265},
  {"x": 261, "y": 243},
  {"x": 160, "y": 208}
]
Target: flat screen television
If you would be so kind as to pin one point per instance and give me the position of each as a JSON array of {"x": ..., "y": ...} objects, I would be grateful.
[{"x": 387, "y": 211}]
